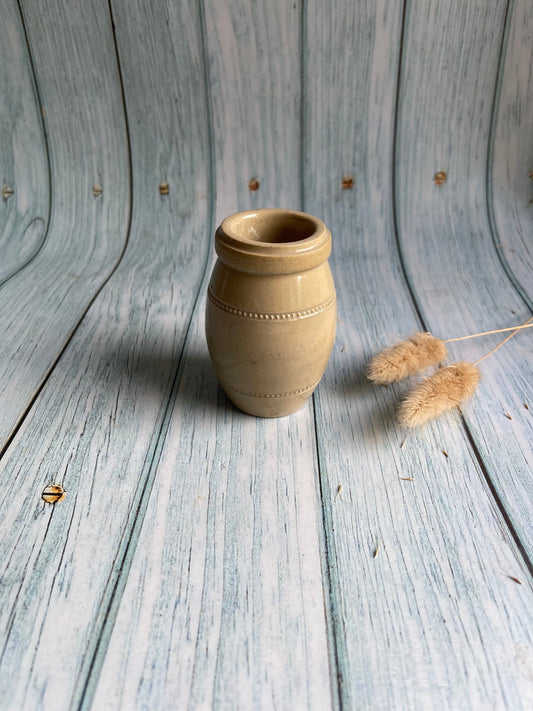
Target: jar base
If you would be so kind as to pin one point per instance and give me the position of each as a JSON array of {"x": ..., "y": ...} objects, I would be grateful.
[{"x": 268, "y": 407}]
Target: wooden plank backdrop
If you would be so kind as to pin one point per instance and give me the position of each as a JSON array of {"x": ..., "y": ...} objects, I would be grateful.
[
  {"x": 461, "y": 287},
  {"x": 400, "y": 613},
  {"x": 105, "y": 407},
  {"x": 24, "y": 178},
  {"x": 84, "y": 120},
  {"x": 510, "y": 175},
  {"x": 202, "y": 558},
  {"x": 247, "y": 629}
]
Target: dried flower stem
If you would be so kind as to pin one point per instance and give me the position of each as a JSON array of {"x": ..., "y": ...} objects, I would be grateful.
[
  {"x": 488, "y": 333},
  {"x": 447, "y": 388},
  {"x": 525, "y": 325}
]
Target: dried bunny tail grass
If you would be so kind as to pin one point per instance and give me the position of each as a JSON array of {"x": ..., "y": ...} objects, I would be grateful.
[
  {"x": 406, "y": 358},
  {"x": 439, "y": 393}
]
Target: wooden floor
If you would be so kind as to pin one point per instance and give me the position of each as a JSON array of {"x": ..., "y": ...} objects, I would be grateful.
[{"x": 201, "y": 558}]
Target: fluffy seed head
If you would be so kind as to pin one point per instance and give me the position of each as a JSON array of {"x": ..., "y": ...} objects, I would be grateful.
[
  {"x": 406, "y": 358},
  {"x": 443, "y": 391}
]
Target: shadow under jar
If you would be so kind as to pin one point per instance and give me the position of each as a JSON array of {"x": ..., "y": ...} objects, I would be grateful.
[{"x": 271, "y": 312}]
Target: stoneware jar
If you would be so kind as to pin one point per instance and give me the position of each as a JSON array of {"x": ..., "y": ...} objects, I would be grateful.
[{"x": 271, "y": 310}]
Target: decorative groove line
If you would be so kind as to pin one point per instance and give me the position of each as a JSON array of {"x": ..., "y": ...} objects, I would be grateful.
[
  {"x": 289, "y": 316},
  {"x": 300, "y": 391}
]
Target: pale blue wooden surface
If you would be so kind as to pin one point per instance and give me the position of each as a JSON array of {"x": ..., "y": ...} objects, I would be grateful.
[
  {"x": 446, "y": 240},
  {"x": 24, "y": 165},
  {"x": 202, "y": 558},
  {"x": 510, "y": 175},
  {"x": 84, "y": 123}
]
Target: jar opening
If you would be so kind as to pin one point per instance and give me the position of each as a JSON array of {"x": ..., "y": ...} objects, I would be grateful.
[
  {"x": 281, "y": 228},
  {"x": 272, "y": 241}
]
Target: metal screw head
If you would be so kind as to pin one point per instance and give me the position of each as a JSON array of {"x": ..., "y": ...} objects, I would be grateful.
[
  {"x": 164, "y": 188},
  {"x": 253, "y": 184},
  {"x": 97, "y": 190},
  {"x": 53, "y": 493},
  {"x": 7, "y": 192},
  {"x": 347, "y": 182},
  {"x": 440, "y": 177}
]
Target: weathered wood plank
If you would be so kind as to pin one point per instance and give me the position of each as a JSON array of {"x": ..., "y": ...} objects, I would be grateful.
[
  {"x": 511, "y": 167},
  {"x": 423, "y": 614},
  {"x": 24, "y": 179},
  {"x": 256, "y": 103},
  {"x": 446, "y": 241},
  {"x": 223, "y": 607},
  {"x": 42, "y": 304},
  {"x": 173, "y": 546},
  {"x": 224, "y": 604},
  {"x": 95, "y": 427}
]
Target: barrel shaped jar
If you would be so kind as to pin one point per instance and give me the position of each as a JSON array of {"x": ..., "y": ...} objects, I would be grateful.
[{"x": 271, "y": 309}]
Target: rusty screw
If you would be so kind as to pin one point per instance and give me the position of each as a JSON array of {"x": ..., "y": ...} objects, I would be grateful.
[
  {"x": 253, "y": 184},
  {"x": 163, "y": 188},
  {"x": 347, "y": 182},
  {"x": 7, "y": 192},
  {"x": 440, "y": 177},
  {"x": 53, "y": 493}
]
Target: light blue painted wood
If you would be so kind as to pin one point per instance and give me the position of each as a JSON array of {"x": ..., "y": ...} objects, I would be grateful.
[
  {"x": 446, "y": 239},
  {"x": 42, "y": 304},
  {"x": 224, "y": 604},
  {"x": 202, "y": 558},
  {"x": 99, "y": 422},
  {"x": 423, "y": 615},
  {"x": 511, "y": 169},
  {"x": 256, "y": 100},
  {"x": 24, "y": 179}
]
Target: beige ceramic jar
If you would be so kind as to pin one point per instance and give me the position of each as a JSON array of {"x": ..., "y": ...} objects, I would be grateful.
[{"x": 271, "y": 310}]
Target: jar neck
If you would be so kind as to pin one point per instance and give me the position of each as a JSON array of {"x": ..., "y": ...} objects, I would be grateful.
[{"x": 272, "y": 241}]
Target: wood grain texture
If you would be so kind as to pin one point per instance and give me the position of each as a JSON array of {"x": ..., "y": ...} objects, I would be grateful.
[
  {"x": 24, "y": 178},
  {"x": 96, "y": 427},
  {"x": 511, "y": 167},
  {"x": 224, "y": 604},
  {"x": 422, "y": 613},
  {"x": 42, "y": 304},
  {"x": 454, "y": 270},
  {"x": 202, "y": 558},
  {"x": 256, "y": 102}
]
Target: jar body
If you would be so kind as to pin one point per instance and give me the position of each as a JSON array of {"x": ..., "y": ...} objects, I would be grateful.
[{"x": 270, "y": 335}]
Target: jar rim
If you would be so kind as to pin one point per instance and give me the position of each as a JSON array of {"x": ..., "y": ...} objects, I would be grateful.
[{"x": 272, "y": 241}]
